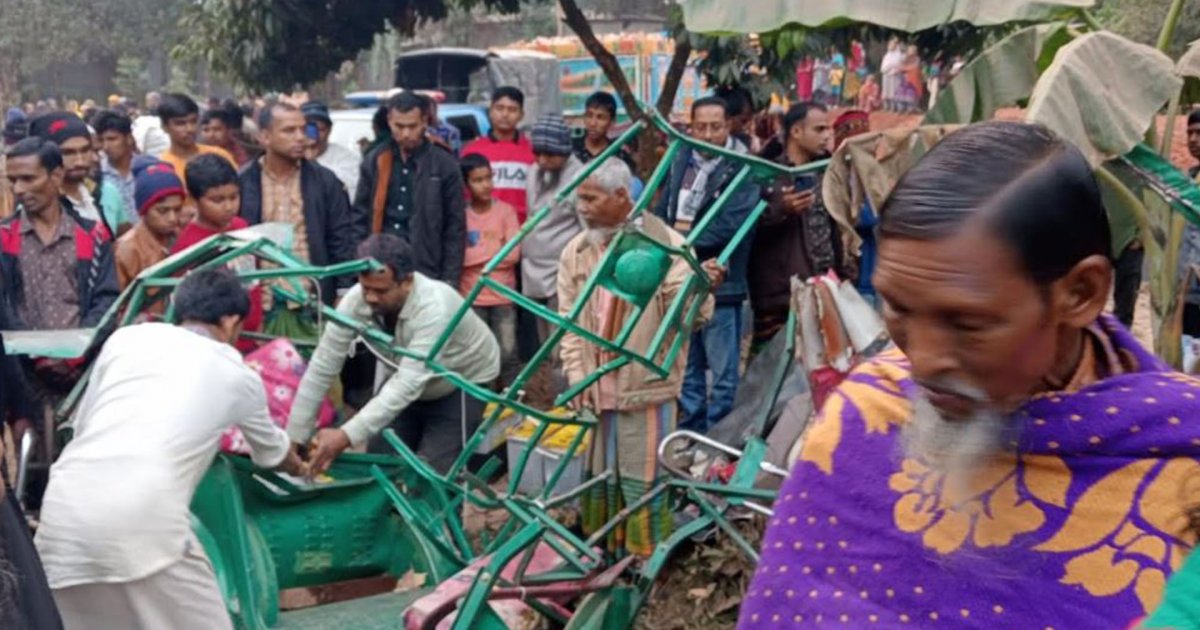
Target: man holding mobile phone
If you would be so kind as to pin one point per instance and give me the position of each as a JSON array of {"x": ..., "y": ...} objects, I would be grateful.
[
  {"x": 796, "y": 236},
  {"x": 343, "y": 161}
]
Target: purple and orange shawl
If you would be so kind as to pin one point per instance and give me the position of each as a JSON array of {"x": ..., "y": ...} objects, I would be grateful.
[{"x": 1078, "y": 528}]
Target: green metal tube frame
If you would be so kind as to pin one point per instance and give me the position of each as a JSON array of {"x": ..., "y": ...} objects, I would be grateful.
[{"x": 528, "y": 516}]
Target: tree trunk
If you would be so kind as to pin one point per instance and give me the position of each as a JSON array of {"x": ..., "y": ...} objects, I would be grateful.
[
  {"x": 648, "y": 141},
  {"x": 647, "y": 154},
  {"x": 666, "y": 98}
]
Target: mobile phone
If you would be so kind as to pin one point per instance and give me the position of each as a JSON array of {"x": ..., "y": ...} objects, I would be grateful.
[
  {"x": 310, "y": 131},
  {"x": 805, "y": 181}
]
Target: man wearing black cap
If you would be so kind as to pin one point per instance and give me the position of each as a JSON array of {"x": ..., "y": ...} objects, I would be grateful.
[
  {"x": 79, "y": 158},
  {"x": 344, "y": 162}
]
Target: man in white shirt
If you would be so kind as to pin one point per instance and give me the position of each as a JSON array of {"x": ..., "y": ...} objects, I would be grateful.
[
  {"x": 432, "y": 416},
  {"x": 147, "y": 128},
  {"x": 115, "y": 536}
]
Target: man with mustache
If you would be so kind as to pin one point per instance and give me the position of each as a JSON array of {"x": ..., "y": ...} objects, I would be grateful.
[
  {"x": 635, "y": 410},
  {"x": 90, "y": 196},
  {"x": 698, "y": 178},
  {"x": 428, "y": 412},
  {"x": 1020, "y": 460},
  {"x": 56, "y": 267},
  {"x": 796, "y": 237}
]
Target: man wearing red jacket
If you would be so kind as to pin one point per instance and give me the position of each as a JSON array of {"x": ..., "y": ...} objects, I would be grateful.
[{"x": 510, "y": 153}]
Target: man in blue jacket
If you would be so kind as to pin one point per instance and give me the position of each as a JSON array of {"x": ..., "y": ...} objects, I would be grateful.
[{"x": 697, "y": 179}]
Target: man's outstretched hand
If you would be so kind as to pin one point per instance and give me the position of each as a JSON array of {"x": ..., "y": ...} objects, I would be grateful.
[{"x": 325, "y": 447}]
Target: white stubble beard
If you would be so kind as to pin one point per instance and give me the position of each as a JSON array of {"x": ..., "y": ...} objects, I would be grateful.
[{"x": 599, "y": 236}]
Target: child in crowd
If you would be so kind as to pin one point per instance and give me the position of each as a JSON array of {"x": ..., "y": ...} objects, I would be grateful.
[
  {"x": 159, "y": 194},
  {"x": 214, "y": 184},
  {"x": 490, "y": 224}
]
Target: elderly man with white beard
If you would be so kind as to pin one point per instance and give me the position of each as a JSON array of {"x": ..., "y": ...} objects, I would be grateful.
[
  {"x": 635, "y": 409},
  {"x": 1020, "y": 461}
]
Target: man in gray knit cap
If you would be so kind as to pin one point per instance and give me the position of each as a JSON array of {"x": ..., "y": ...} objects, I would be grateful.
[{"x": 554, "y": 169}]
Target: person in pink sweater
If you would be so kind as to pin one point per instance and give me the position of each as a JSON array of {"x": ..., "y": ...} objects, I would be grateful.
[{"x": 491, "y": 224}]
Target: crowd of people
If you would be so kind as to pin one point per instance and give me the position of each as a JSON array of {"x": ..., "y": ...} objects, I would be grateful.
[
  {"x": 904, "y": 82},
  {"x": 96, "y": 202},
  {"x": 998, "y": 317}
]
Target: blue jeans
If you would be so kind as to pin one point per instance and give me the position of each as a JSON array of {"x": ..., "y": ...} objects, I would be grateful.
[{"x": 716, "y": 348}]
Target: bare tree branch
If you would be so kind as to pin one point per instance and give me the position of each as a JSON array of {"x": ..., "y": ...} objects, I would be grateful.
[{"x": 666, "y": 98}]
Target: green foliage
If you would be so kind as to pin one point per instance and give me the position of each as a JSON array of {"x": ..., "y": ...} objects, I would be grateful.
[
  {"x": 767, "y": 69},
  {"x": 279, "y": 44},
  {"x": 1141, "y": 21},
  {"x": 1002, "y": 75},
  {"x": 1075, "y": 95}
]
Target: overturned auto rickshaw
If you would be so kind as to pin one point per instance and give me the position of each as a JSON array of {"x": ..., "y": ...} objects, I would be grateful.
[{"x": 380, "y": 519}]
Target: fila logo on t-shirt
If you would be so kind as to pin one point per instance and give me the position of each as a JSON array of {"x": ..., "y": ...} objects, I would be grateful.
[{"x": 509, "y": 175}]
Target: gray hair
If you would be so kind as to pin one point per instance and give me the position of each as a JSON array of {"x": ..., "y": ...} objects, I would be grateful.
[{"x": 613, "y": 175}]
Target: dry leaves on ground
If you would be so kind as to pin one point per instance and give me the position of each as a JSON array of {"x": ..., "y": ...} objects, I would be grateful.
[{"x": 701, "y": 587}]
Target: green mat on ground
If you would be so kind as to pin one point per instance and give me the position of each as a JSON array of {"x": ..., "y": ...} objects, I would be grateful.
[{"x": 378, "y": 612}]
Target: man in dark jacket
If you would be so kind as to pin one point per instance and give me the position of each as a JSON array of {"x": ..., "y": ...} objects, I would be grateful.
[
  {"x": 282, "y": 186},
  {"x": 56, "y": 268},
  {"x": 696, "y": 180},
  {"x": 796, "y": 236},
  {"x": 414, "y": 189}
]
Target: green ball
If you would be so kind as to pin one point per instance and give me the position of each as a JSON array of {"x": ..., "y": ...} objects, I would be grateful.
[{"x": 640, "y": 271}]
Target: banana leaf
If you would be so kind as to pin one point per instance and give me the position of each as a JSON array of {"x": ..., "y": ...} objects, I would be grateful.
[
  {"x": 1102, "y": 92},
  {"x": 1188, "y": 67},
  {"x": 1189, "y": 64},
  {"x": 754, "y": 16},
  {"x": 1002, "y": 75},
  {"x": 1144, "y": 188}
]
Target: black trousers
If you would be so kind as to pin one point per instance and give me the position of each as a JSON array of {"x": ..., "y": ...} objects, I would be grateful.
[
  {"x": 435, "y": 429},
  {"x": 1127, "y": 282}
]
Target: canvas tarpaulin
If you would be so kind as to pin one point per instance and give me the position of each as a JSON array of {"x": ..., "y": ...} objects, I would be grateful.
[{"x": 866, "y": 167}]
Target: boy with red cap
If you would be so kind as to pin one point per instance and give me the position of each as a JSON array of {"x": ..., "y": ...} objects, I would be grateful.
[{"x": 159, "y": 194}]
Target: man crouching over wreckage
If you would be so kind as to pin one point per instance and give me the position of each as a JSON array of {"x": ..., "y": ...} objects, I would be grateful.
[
  {"x": 1023, "y": 462},
  {"x": 427, "y": 412},
  {"x": 635, "y": 409}
]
